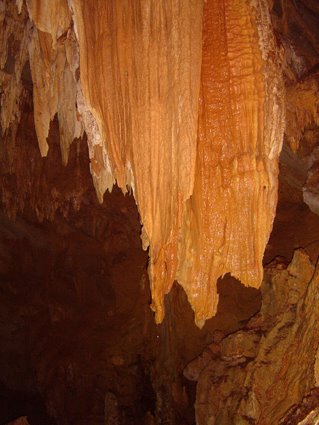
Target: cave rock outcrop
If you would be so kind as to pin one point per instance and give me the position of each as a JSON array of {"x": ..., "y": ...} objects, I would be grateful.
[{"x": 268, "y": 371}]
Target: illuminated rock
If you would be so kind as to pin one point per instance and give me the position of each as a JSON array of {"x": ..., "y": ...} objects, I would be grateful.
[
  {"x": 182, "y": 103},
  {"x": 230, "y": 215}
]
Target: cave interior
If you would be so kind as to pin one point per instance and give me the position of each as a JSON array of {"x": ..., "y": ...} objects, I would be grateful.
[{"x": 89, "y": 335}]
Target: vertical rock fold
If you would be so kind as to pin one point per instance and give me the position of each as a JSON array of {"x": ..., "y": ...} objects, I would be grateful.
[
  {"x": 230, "y": 214},
  {"x": 142, "y": 88},
  {"x": 182, "y": 103}
]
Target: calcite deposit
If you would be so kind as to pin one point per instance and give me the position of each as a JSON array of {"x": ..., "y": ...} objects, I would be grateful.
[
  {"x": 143, "y": 92},
  {"x": 229, "y": 216},
  {"x": 14, "y": 32},
  {"x": 302, "y": 108},
  {"x": 181, "y": 103},
  {"x": 180, "y": 108},
  {"x": 53, "y": 73}
]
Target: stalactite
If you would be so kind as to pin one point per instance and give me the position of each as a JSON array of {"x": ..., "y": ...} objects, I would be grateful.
[
  {"x": 230, "y": 214},
  {"x": 302, "y": 109},
  {"x": 143, "y": 92},
  {"x": 14, "y": 35},
  {"x": 182, "y": 103},
  {"x": 54, "y": 84}
]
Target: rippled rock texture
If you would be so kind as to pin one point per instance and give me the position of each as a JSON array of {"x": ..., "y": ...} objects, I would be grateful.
[{"x": 182, "y": 103}]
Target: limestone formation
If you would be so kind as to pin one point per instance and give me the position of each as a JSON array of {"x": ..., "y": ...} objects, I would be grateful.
[
  {"x": 229, "y": 216},
  {"x": 182, "y": 103},
  {"x": 180, "y": 107}
]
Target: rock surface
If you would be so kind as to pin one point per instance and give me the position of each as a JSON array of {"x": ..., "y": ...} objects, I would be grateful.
[
  {"x": 262, "y": 373},
  {"x": 20, "y": 421}
]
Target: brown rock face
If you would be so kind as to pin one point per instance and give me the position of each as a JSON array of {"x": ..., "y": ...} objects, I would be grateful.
[
  {"x": 20, "y": 421},
  {"x": 263, "y": 372}
]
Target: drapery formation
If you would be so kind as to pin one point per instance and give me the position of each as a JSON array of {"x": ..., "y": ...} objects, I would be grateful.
[
  {"x": 229, "y": 216},
  {"x": 182, "y": 103}
]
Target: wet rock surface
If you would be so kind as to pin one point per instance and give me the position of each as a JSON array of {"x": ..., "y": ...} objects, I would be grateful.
[{"x": 79, "y": 345}]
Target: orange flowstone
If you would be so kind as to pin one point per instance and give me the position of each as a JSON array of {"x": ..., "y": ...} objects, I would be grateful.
[
  {"x": 230, "y": 214},
  {"x": 203, "y": 173},
  {"x": 140, "y": 73}
]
